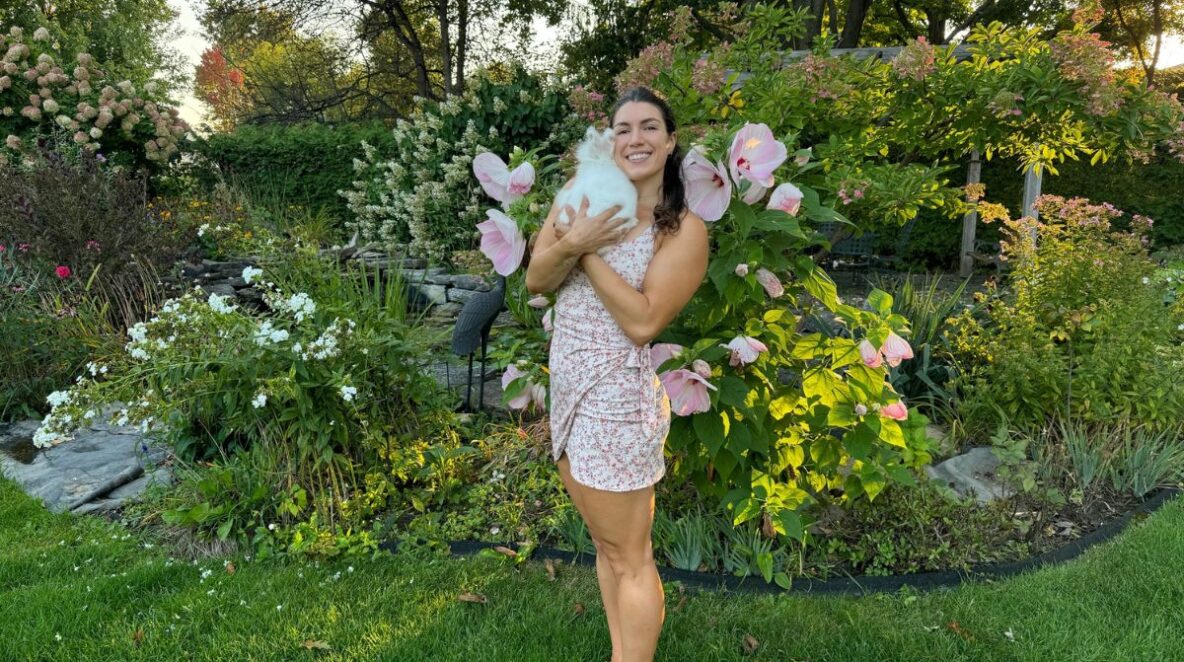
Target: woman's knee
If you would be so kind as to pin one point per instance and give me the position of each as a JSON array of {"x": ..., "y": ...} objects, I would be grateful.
[{"x": 627, "y": 558}]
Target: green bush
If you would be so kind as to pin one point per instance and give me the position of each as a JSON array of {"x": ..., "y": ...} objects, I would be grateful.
[
  {"x": 327, "y": 390},
  {"x": 423, "y": 191},
  {"x": 1084, "y": 332},
  {"x": 278, "y": 166}
]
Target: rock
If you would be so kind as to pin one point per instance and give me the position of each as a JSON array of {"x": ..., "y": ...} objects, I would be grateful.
[
  {"x": 972, "y": 474},
  {"x": 221, "y": 289},
  {"x": 471, "y": 282},
  {"x": 435, "y": 294},
  {"x": 446, "y": 311},
  {"x": 61, "y": 475},
  {"x": 413, "y": 263}
]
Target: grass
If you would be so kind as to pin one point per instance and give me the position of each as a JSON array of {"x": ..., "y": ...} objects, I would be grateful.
[{"x": 110, "y": 595}]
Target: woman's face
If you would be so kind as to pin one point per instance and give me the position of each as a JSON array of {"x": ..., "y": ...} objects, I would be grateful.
[{"x": 641, "y": 141}]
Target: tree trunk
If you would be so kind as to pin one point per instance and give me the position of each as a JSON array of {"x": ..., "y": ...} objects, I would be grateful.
[
  {"x": 462, "y": 42},
  {"x": 404, "y": 30},
  {"x": 445, "y": 44},
  {"x": 853, "y": 25},
  {"x": 813, "y": 24}
]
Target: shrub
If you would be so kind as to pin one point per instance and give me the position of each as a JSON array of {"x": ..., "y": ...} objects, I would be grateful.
[
  {"x": 423, "y": 191},
  {"x": 328, "y": 386},
  {"x": 1083, "y": 332},
  {"x": 38, "y": 96},
  {"x": 278, "y": 166}
]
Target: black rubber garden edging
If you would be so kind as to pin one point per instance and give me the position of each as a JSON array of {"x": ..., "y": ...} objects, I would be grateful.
[{"x": 853, "y": 585}]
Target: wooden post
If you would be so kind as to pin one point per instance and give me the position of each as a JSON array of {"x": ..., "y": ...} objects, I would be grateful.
[
  {"x": 1031, "y": 192},
  {"x": 970, "y": 220}
]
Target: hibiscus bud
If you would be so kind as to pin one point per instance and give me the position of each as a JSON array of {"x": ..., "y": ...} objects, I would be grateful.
[
  {"x": 770, "y": 282},
  {"x": 702, "y": 368},
  {"x": 742, "y": 270},
  {"x": 861, "y": 409}
]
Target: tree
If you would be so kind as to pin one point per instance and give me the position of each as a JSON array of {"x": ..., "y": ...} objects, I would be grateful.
[
  {"x": 435, "y": 35},
  {"x": 1138, "y": 26}
]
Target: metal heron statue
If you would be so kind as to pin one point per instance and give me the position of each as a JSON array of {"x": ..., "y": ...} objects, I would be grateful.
[{"x": 472, "y": 331}]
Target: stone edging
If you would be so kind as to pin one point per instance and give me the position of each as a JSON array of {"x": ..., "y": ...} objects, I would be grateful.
[{"x": 861, "y": 585}]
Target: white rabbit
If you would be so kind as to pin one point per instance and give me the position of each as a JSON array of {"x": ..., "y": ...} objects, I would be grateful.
[{"x": 601, "y": 180}]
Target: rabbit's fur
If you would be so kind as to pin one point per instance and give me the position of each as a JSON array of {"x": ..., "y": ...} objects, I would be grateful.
[{"x": 601, "y": 180}]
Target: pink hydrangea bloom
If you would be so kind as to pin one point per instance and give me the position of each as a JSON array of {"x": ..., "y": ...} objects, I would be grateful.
[
  {"x": 787, "y": 198},
  {"x": 896, "y": 349},
  {"x": 755, "y": 154},
  {"x": 770, "y": 282},
  {"x": 663, "y": 352},
  {"x": 502, "y": 242},
  {"x": 708, "y": 189},
  {"x": 870, "y": 355},
  {"x": 688, "y": 391},
  {"x": 896, "y": 411}
]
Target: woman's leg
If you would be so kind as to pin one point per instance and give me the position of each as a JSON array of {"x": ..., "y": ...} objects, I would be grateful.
[
  {"x": 622, "y": 522},
  {"x": 604, "y": 573}
]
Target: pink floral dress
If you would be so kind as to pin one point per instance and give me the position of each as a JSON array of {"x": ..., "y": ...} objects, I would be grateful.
[{"x": 608, "y": 409}]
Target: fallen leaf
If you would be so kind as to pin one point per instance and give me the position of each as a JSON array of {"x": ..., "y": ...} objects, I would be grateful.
[
  {"x": 957, "y": 629},
  {"x": 1010, "y": 635},
  {"x": 931, "y": 628},
  {"x": 311, "y": 644},
  {"x": 550, "y": 566},
  {"x": 750, "y": 644},
  {"x": 505, "y": 550},
  {"x": 230, "y": 568},
  {"x": 138, "y": 637},
  {"x": 472, "y": 597},
  {"x": 681, "y": 603},
  {"x": 578, "y": 608}
]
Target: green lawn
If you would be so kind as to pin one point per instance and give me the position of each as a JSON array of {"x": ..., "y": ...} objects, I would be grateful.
[{"x": 108, "y": 597}]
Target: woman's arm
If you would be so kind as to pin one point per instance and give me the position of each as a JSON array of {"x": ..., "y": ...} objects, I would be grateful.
[
  {"x": 674, "y": 274},
  {"x": 553, "y": 257}
]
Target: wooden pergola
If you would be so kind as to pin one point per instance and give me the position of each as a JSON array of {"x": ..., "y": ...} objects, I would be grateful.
[{"x": 1032, "y": 179}]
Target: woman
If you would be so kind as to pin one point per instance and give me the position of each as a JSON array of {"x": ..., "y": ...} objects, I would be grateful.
[{"x": 609, "y": 413}]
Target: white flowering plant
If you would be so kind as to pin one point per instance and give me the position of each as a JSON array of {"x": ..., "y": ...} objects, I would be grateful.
[
  {"x": 327, "y": 389},
  {"x": 423, "y": 194}
]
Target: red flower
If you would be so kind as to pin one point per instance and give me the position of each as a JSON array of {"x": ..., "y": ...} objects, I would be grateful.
[{"x": 62, "y": 271}]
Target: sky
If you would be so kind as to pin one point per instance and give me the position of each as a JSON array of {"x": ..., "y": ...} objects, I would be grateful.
[{"x": 191, "y": 45}]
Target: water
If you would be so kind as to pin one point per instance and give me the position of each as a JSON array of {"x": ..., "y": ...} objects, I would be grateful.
[{"x": 21, "y": 449}]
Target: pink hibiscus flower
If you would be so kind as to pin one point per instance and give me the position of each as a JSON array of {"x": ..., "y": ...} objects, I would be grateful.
[
  {"x": 896, "y": 349},
  {"x": 745, "y": 350},
  {"x": 896, "y": 411},
  {"x": 708, "y": 189},
  {"x": 522, "y": 399},
  {"x": 663, "y": 352},
  {"x": 497, "y": 180},
  {"x": 870, "y": 355},
  {"x": 502, "y": 242},
  {"x": 688, "y": 391},
  {"x": 787, "y": 198},
  {"x": 755, "y": 154}
]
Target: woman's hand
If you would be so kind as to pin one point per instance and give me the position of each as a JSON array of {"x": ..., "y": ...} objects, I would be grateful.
[{"x": 586, "y": 233}]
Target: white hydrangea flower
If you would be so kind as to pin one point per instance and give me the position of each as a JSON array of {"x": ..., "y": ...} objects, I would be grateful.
[
  {"x": 348, "y": 393},
  {"x": 58, "y": 398},
  {"x": 301, "y": 305},
  {"x": 218, "y": 303}
]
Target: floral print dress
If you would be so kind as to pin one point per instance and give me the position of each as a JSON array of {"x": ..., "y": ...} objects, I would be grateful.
[{"x": 609, "y": 411}]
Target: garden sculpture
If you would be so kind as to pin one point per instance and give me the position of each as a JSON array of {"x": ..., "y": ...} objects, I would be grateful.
[{"x": 472, "y": 329}]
